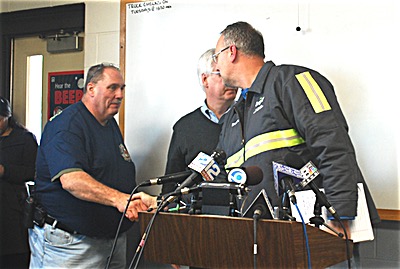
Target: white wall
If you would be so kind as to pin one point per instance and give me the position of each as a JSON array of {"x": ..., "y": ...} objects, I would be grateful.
[{"x": 352, "y": 43}]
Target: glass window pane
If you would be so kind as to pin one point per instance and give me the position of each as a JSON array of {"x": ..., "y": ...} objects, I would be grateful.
[{"x": 34, "y": 86}]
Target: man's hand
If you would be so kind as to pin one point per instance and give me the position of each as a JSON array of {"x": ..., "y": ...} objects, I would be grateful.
[
  {"x": 140, "y": 202},
  {"x": 148, "y": 200}
]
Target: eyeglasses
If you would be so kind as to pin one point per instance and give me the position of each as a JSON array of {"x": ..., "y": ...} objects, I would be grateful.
[
  {"x": 215, "y": 55},
  {"x": 96, "y": 69},
  {"x": 215, "y": 73}
]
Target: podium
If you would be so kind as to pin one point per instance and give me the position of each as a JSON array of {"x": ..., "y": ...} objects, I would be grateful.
[{"x": 209, "y": 241}]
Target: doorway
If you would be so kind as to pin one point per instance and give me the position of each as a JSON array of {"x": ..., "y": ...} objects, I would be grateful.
[
  {"x": 68, "y": 18},
  {"x": 24, "y": 49}
]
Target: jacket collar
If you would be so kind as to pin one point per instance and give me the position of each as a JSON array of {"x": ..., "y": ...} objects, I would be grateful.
[{"x": 259, "y": 82}]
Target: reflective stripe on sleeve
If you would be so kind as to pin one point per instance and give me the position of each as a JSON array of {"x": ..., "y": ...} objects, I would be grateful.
[
  {"x": 313, "y": 92},
  {"x": 263, "y": 143}
]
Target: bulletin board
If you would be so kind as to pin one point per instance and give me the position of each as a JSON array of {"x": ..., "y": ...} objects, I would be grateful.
[{"x": 353, "y": 43}]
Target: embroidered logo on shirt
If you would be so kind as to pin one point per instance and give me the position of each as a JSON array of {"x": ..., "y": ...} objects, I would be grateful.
[
  {"x": 259, "y": 105},
  {"x": 124, "y": 153},
  {"x": 234, "y": 123},
  {"x": 259, "y": 102}
]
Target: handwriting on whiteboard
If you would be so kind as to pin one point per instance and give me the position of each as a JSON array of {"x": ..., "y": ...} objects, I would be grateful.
[{"x": 147, "y": 7}]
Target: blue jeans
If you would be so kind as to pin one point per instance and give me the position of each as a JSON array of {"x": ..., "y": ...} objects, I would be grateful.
[{"x": 55, "y": 248}]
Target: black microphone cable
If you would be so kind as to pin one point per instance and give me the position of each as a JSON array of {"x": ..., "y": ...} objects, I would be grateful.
[
  {"x": 143, "y": 241},
  {"x": 347, "y": 244},
  {"x": 119, "y": 226}
]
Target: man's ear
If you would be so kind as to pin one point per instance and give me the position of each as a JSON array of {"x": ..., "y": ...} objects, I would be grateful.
[
  {"x": 233, "y": 53},
  {"x": 90, "y": 88},
  {"x": 204, "y": 80}
]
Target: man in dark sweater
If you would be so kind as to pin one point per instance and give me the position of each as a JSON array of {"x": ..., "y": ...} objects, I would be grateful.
[{"x": 199, "y": 130}]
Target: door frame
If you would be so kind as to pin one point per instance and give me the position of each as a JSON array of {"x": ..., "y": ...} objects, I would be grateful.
[{"x": 40, "y": 21}]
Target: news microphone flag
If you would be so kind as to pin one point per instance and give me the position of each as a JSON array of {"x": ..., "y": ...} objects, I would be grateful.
[
  {"x": 206, "y": 166},
  {"x": 237, "y": 175},
  {"x": 281, "y": 170},
  {"x": 308, "y": 172}
]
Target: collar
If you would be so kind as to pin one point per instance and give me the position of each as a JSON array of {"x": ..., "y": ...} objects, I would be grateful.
[
  {"x": 258, "y": 84},
  {"x": 208, "y": 113}
]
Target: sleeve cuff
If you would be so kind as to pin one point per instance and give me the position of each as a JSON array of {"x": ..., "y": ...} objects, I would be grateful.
[{"x": 342, "y": 218}]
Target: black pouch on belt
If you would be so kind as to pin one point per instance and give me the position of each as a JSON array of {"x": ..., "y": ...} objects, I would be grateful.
[
  {"x": 39, "y": 215},
  {"x": 29, "y": 208}
]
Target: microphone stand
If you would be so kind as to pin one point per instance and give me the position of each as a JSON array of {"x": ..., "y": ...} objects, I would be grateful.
[
  {"x": 239, "y": 203},
  {"x": 317, "y": 220},
  {"x": 195, "y": 205},
  {"x": 286, "y": 213},
  {"x": 256, "y": 216}
]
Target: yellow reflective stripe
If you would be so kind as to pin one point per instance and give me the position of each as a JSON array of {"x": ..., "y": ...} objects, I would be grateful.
[
  {"x": 313, "y": 92},
  {"x": 265, "y": 142}
]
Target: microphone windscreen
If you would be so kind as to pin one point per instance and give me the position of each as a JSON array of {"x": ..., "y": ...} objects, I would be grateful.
[
  {"x": 219, "y": 156},
  {"x": 254, "y": 175}
]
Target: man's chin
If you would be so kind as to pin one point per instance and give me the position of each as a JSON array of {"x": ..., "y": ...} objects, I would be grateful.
[
  {"x": 113, "y": 111},
  {"x": 231, "y": 92}
]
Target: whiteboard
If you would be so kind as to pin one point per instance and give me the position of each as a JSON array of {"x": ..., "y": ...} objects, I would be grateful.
[{"x": 353, "y": 43}]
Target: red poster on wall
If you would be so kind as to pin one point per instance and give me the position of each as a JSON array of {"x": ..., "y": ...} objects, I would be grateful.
[{"x": 65, "y": 88}]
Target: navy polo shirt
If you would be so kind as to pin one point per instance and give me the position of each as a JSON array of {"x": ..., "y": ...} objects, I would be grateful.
[{"x": 75, "y": 141}]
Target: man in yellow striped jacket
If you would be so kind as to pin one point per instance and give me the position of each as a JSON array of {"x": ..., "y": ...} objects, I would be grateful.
[{"x": 284, "y": 109}]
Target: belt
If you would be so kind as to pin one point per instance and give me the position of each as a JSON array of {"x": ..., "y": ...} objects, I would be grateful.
[{"x": 55, "y": 224}]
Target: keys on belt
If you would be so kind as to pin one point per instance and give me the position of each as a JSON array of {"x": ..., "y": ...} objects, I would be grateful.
[{"x": 55, "y": 224}]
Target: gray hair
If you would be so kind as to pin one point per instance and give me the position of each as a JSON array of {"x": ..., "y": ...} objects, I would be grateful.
[
  {"x": 247, "y": 39},
  {"x": 205, "y": 65},
  {"x": 95, "y": 73}
]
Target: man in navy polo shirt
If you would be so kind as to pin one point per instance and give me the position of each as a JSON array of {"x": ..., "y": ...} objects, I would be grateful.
[{"x": 84, "y": 177}]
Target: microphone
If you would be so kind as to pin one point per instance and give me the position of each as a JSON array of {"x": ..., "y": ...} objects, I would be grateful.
[
  {"x": 175, "y": 177},
  {"x": 251, "y": 175},
  {"x": 309, "y": 172},
  {"x": 245, "y": 176},
  {"x": 284, "y": 177},
  {"x": 286, "y": 211},
  {"x": 203, "y": 165},
  {"x": 290, "y": 191},
  {"x": 260, "y": 207},
  {"x": 258, "y": 212},
  {"x": 184, "y": 190},
  {"x": 206, "y": 165},
  {"x": 281, "y": 172},
  {"x": 232, "y": 187}
]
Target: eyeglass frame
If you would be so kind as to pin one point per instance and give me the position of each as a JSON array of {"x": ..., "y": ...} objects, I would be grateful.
[
  {"x": 215, "y": 73},
  {"x": 215, "y": 55}
]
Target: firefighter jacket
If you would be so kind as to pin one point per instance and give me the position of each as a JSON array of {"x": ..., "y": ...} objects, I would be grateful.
[{"x": 294, "y": 109}]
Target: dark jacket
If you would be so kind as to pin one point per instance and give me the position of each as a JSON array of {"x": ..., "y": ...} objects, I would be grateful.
[
  {"x": 18, "y": 156},
  {"x": 282, "y": 115}
]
